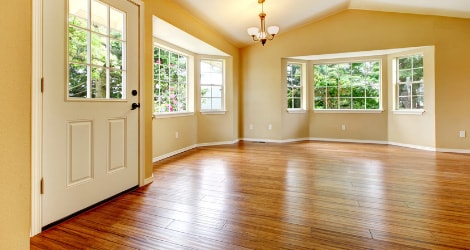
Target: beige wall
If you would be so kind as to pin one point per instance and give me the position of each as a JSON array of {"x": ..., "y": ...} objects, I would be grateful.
[
  {"x": 355, "y": 30},
  {"x": 15, "y": 124},
  {"x": 197, "y": 128}
]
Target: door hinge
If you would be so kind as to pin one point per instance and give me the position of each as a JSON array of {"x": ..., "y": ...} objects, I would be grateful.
[
  {"x": 42, "y": 84},
  {"x": 42, "y": 185}
]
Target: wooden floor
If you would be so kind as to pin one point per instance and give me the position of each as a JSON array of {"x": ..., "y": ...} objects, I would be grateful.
[{"x": 303, "y": 195}]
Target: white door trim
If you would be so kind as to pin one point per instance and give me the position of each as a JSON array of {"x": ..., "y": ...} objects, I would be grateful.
[{"x": 36, "y": 116}]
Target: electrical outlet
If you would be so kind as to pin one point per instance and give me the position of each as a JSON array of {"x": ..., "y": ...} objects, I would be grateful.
[
  {"x": 462, "y": 134},
  {"x": 270, "y": 126},
  {"x": 251, "y": 126},
  {"x": 343, "y": 127},
  {"x": 177, "y": 135}
]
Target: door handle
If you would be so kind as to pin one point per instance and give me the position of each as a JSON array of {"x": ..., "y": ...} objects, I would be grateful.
[{"x": 135, "y": 105}]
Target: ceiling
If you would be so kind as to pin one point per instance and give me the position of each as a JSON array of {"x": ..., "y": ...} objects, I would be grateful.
[{"x": 232, "y": 17}]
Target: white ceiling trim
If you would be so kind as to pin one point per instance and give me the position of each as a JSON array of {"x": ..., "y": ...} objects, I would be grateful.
[{"x": 171, "y": 34}]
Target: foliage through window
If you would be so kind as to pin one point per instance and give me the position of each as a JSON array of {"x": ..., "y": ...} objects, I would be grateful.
[
  {"x": 170, "y": 81},
  {"x": 410, "y": 82},
  {"x": 96, "y": 50},
  {"x": 294, "y": 86},
  {"x": 212, "y": 84},
  {"x": 347, "y": 86}
]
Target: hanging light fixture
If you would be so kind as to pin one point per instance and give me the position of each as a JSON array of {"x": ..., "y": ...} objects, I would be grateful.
[{"x": 261, "y": 34}]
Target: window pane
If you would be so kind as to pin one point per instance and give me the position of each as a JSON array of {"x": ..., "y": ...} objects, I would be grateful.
[
  {"x": 206, "y": 91},
  {"x": 77, "y": 80},
  {"x": 115, "y": 60},
  {"x": 320, "y": 103},
  {"x": 98, "y": 50},
  {"x": 116, "y": 23},
  {"x": 358, "y": 103},
  {"x": 78, "y": 45},
  {"x": 404, "y": 76},
  {"x": 170, "y": 81},
  {"x": 354, "y": 80},
  {"x": 116, "y": 77},
  {"x": 404, "y": 90},
  {"x": 294, "y": 86},
  {"x": 410, "y": 95},
  {"x": 417, "y": 74},
  {"x": 404, "y": 63},
  {"x": 372, "y": 103},
  {"x": 418, "y": 89},
  {"x": 372, "y": 91},
  {"x": 332, "y": 103},
  {"x": 99, "y": 17},
  {"x": 90, "y": 47},
  {"x": 98, "y": 82},
  {"x": 418, "y": 102},
  {"x": 332, "y": 92},
  {"x": 345, "y": 103},
  {"x": 78, "y": 13},
  {"x": 216, "y": 92},
  {"x": 404, "y": 102},
  {"x": 417, "y": 61},
  {"x": 206, "y": 103},
  {"x": 217, "y": 103},
  {"x": 345, "y": 92}
]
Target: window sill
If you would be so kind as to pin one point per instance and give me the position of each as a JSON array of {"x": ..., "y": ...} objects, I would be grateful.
[
  {"x": 213, "y": 112},
  {"x": 296, "y": 111},
  {"x": 347, "y": 111},
  {"x": 171, "y": 115},
  {"x": 409, "y": 112}
]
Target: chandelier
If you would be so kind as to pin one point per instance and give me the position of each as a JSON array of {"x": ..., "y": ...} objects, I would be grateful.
[{"x": 261, "y": 34}]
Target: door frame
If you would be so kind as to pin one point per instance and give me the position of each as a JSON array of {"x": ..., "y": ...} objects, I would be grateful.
[{"x": 37, "y": 110}]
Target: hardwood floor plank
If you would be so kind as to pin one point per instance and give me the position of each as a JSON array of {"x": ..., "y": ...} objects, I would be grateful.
[{"x": 300, "y": 195}]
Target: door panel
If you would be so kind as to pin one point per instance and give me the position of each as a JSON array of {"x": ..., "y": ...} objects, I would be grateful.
[{"x": 90, "y": 139}]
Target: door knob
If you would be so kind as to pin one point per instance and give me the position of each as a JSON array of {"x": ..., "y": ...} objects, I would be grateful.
[{"x": 135, "y": 105}]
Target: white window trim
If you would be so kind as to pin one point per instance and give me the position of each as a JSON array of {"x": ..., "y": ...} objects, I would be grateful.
[
  {"x": 303, "y": 87},
  {"x": 408, "y": 111},
  {"x": 395, "y": 86},
  {"x": 224, "y": 63},
  {"x": 190, "y": 79}
]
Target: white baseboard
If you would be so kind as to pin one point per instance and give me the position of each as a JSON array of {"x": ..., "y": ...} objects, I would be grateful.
[
  {"x": 425, "y": 148},
  {"x": 458, "y": 151},
  {"x": 159, "y": 158},
  {"x": 348, "y": 140},
  {"x": 412, "y": 146},
  {"x": 217, "y": 143},
  {"x": 179, "y": 151},
  {"x": 274, "y": 141},
  {"x": 148, "y": 180}
]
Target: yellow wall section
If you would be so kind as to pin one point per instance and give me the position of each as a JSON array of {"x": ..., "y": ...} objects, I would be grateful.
[
  {"x": 355, "y": 30},
  {"x": 15, "y": 132},
  {"x": 194, "y": 129}
]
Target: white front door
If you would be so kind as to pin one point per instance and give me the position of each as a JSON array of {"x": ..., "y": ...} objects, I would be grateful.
[{"x": 90, "y": 133}]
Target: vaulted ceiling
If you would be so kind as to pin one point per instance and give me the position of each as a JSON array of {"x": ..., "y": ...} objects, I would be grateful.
[{"x": 232, "y": 17}]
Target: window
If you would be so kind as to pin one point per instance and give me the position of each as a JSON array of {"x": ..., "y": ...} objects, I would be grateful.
[
  {"x": 212, "y": 85},
  {"x": 96, "y": 51},
  {"x": 347, "y": 86},
  {"x": 294, "y": 86},
  {"x": 410, "y": 84},
  {"x": 170, "y": 81}
]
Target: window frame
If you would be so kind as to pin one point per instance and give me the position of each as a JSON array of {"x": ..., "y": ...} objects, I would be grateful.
[
  {"x": 89, "y": 65},
  {"x": 222, "y": 109},
  {"x": 350, "y": 60},
  {"x": 190, "y": 85},
  {"x": 396, "y": 84},
  {"x": 302, "y": 89}
]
